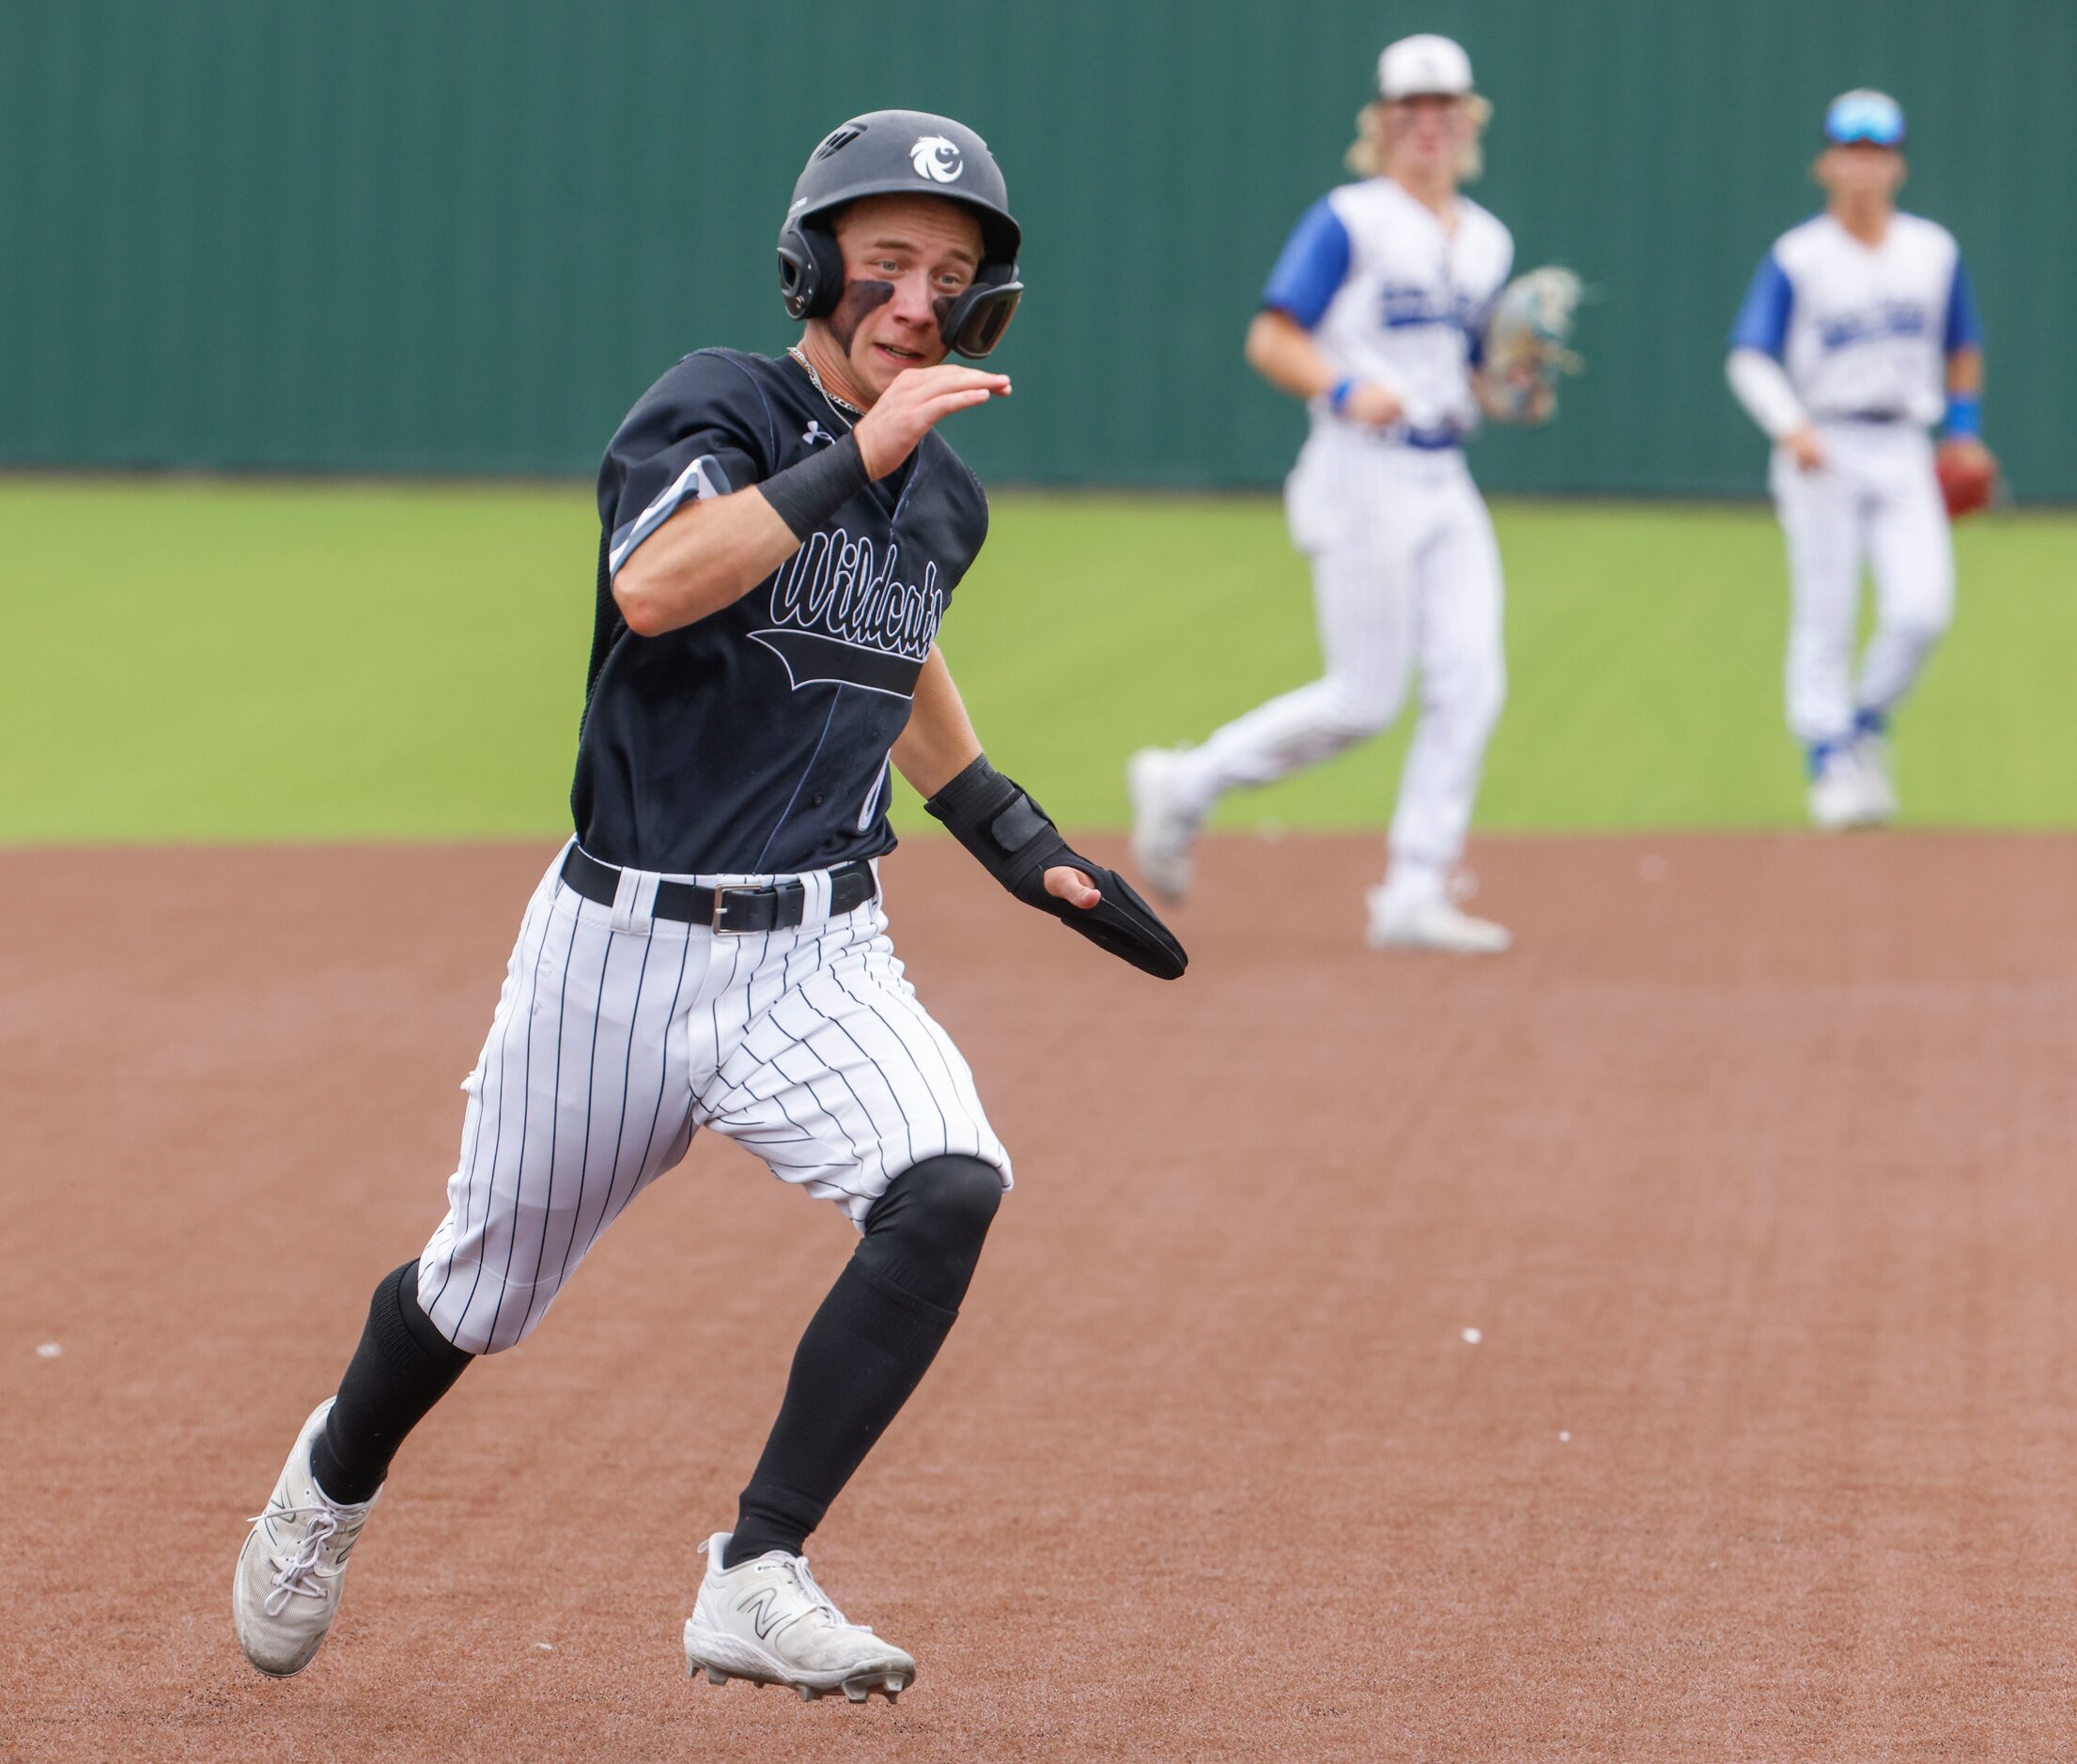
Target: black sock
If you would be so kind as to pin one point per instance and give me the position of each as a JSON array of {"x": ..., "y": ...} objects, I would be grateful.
[
  {"x": 403, "y": 1365},
  {"x": 867, "y": 1347}
]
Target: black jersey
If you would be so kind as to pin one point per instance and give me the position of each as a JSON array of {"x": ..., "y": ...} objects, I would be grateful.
[{"x": 755, "y": 741}]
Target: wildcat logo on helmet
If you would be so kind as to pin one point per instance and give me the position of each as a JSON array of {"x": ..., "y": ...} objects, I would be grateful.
[{"x": 937, "y": 158}]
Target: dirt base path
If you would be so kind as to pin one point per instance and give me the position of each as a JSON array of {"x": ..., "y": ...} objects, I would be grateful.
[{"x": 1752, "y": 1167}]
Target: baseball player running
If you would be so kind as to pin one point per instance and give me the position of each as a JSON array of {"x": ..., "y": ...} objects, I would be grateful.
[
  {"x": 1859, "y": 331},
  {"x": 1375, "y": 314},
  {"x": 779, "y": 538}
]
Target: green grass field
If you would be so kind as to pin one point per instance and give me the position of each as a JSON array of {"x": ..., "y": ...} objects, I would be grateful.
[{"x": 229, "y": 660}]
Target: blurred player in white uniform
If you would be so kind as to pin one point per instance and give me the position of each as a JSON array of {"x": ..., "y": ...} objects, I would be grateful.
[
  {"x": 1374, "y": 315},
  {"x": 1858, "y": 335}
]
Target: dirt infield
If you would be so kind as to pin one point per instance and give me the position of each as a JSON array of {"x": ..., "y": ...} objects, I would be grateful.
[{"x": 1752, "y": 1167}]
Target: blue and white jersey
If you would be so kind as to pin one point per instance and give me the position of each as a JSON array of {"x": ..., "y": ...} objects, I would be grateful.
[
  {"x": 1392, "y": 295},
  {"x": 1863, "y": 330}
]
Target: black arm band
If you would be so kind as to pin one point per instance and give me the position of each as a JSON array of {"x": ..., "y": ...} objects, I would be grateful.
[
  {"x": 993, "y": 818},
  {"x": 808, "y": 493}
]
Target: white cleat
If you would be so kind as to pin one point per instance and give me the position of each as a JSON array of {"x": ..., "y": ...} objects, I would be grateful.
[
  {"x": 1842, "y": 796},
  {"x": 293, "y": 1570},
  {"x": 1431, "y": 925},
  {"x": 1871, "y": 753},
  {"x": 768, "y": 1622},
  {"x": 1162, "y": 829}
]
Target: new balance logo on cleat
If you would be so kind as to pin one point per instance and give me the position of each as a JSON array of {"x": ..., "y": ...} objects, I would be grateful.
[
  {"x": 762, "y": 1612},
  {"x": 768, "y": 1622}
]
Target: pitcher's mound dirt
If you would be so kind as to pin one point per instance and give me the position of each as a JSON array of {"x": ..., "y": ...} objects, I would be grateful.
[{"x": 1752, "y": 1169}]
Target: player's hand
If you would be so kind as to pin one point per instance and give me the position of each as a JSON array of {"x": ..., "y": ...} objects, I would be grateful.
[
  {"x": 1531, "y": 398},
  {"x": 1072, "y": 886},
  {"x": 1805, "y": 449},
  {"x": 1967, "y": 472},
  {"x": 916, "y": 400},
  {"x": 1968, "y": 454},
  {"x": 1017, "y": 844},
  {"x": 1377, "y": 406}
]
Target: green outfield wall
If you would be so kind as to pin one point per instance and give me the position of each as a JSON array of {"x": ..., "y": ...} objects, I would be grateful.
[{"x": 460, "y": 235}]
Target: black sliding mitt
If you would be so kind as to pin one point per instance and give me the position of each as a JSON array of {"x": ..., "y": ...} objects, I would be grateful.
[{"x": 1016, "y": 842}]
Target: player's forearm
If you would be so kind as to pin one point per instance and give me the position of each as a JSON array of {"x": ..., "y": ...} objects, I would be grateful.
[
  {"x": 1762, "y": 387},
  {"x": 709, "y": 555},
  {"x": 1962, "y": 421},
  {"x": 720, "y": 548},
  {"x": 1284, "y": 353},
  {"x": 940, "y": 742}
]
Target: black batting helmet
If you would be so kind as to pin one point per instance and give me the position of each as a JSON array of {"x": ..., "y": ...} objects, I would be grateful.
[{"x": 903, "y": 153}]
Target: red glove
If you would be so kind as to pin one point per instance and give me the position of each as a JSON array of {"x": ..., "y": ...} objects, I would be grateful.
[{"x": 1968, "y": 474}]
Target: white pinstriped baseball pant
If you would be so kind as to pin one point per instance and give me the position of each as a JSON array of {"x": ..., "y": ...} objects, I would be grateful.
[
  {"x": 1405, "y": 570},
  {"x": 1876, "y": 497},
  {"x": 617, "y": 1035}
]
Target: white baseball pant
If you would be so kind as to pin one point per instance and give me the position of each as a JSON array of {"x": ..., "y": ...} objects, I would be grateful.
[
  {"x": 1875, "y": 498},
  {"x": 1405, "y": 570},
  {"x": 617, "y": 1035}
]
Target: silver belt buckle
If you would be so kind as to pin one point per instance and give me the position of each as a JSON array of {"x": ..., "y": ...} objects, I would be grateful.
[{"x": 720, "y": 909}]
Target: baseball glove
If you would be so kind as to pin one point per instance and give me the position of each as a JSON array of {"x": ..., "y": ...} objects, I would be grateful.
[
  {"x": 1526, "y": 344},
  {"x": 1968, "y": 475}
]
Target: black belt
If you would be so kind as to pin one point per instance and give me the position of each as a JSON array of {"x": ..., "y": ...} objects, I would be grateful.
[
  {"x": 777, "y": 906},
  {"x": 1866, "y": 416}
]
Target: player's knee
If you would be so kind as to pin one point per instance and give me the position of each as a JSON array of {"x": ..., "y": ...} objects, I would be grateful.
[
  {"x": 475, "y": 1310},
  {"x": 1922, "y": 627},
  {"x": 1356, "y": 711},
  {"x": 1490, "y": 687},
  {"x": 496, "y": 1326},
  {"x": 1470, "y": 696},
  {"x": 949, "y": 1201},
  {"x": 1818, "y": 646},
  {"x": 1490, "y": 697},
  {"x": 404, "y": 1324},
  {"x": 925, "y": 1233}
]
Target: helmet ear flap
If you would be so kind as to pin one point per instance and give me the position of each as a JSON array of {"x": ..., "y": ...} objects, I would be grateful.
[{"x": 811, "y": 270}]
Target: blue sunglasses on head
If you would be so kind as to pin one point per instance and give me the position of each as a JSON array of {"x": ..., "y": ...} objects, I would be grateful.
[{"x": 1872, "y": 116}]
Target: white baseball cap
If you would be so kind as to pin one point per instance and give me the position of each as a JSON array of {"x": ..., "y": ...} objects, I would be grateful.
[{"x": 1419, "y": 66}]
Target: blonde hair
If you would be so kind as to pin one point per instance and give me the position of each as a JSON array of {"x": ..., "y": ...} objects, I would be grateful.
[{"x": 1366, "y": 154}]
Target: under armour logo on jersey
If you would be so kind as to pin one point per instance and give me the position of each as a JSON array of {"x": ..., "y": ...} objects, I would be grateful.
[
  {"x": 937, "y": 158},
  {"x": 815, "y": 432}
]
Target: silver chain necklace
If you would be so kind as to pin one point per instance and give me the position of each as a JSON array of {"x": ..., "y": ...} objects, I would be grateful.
[{"x": 839, "y": 407}]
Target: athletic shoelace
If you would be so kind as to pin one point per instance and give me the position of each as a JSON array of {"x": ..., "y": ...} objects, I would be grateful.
[
  {"x": 819, "y": 1602},
  {"x": 296, "y": 1574}
]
